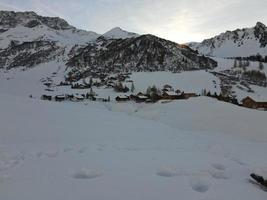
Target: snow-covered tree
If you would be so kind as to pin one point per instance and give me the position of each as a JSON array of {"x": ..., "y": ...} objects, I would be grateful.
[
  {"x": 148, "y": 90},
  {"x": 132, "y": 87},
  {"x": 261, "y": 66},
  {"x": 91, "y": 82},
  {"x": 235, "y": 63},
  {"x": 240, "y": 64}
]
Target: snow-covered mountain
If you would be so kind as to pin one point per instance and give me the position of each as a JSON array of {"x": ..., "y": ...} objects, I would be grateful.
[
  {"x": 143, "y": 53},
  {"x": 27, "y": 39},
  {"x": 239, "y": 43},
  {"x": 118, "y": 33},
  {"x": 28, "y": 26}
]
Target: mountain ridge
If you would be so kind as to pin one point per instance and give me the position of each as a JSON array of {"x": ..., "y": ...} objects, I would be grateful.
[
  {"x": 30, "y": 39},
  {"x": 238, "y": 43}
]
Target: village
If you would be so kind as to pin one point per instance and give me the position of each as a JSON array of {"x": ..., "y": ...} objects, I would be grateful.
[{"x": 122, "y": 84}]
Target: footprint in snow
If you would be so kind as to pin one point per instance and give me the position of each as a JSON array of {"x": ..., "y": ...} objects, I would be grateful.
[
  {"x": 167, "y": 172},
  {"x": 218, "y": 174},
  {"x": 52, "y": 154},
  {"x": 239, "y": 162},
  {"x": 218, "y": 166},
  {"x": 82, "y": 150},
  {"x": 87, "y": 174},
  {"x": 68, "y": 149},
  {"x": 219, "y": 171},
  {"x": 199, "y": 185}
]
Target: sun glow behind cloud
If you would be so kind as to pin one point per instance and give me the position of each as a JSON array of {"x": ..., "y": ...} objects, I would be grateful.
[{"x": 177, "y": 20}]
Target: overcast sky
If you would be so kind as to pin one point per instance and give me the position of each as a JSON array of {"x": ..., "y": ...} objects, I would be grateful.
[{"x": 176, "y": 20}]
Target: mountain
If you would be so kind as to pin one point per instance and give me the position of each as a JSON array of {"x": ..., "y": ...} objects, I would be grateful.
[
  {"x": 239, "y": 43},
  {"x": 27, "y": 39},
  {"x": 143, "y": 53},
  {"x": 118, "y": 33}
]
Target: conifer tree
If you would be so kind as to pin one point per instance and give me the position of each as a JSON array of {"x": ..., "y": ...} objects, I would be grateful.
[
  {"x": 261, "y": 66},
  {"x": 132, "y": 87}
]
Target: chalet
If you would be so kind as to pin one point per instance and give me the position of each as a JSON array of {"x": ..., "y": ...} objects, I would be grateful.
[
  {"x": 139, "y": 98},
  {"x": 188, "y": 95},
  {"x": 80, "y": 86},
  {"x": 60, "y": 98},
  {"x": 178, "y": 91},
  {"x": 69, "y": 96},
  {"x": 170, "y": 95},
  {"x": 251, "y": 103},
  {"x": 79, "y": 97},
  {"x": 46, "y": 97},
  {"x": 167, "y": 88},
  {"x": 122, "y": 98}
]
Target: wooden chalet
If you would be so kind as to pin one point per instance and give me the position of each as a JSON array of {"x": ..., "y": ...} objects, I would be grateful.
[
  {"x": 79, "y": 97},
  {"x": 122, "y": 98},
  {"x": 46, "y": 97},
  {"x": 251, "y": 103},
  {"x": 188, "y": 95},
  {"x": 170, "y": 95},
  {"x": 60, "y": 98},
  {"x": 139, "y": 98},
  {"x": 167, "y": 88}
]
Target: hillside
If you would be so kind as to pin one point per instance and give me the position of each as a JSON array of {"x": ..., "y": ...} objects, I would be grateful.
[
  {"x": 238, "y": 43},
  {"x": 143, "y": 53}
]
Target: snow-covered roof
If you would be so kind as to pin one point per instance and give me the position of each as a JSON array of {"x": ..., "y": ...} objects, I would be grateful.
[
  {"x": 142, "y": 97},
  {"x": 122, "y": 96},
  {"x": 171, "y": 93},
  {"x": 78, "y": 96},
  {"x": 60, "y": 96}
]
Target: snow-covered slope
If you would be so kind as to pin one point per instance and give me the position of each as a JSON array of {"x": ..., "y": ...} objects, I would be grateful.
[
  {"x": 239, "y": 43},
  {"x": 118, "y": 33},
  {"x": 28, "y": 26},
  {"x": 199, "y": 149}
]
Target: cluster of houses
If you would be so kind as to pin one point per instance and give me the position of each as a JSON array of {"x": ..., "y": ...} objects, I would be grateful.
[
  {"x": 74, "y": 97},
  {"x": 228, "y": 78},
  {"x": 167, "y": 93}
]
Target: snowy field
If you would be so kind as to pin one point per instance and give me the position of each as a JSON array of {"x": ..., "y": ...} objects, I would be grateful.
[
  {"x": 192, "y": 81},
  {"x": 198, "y": 149}
]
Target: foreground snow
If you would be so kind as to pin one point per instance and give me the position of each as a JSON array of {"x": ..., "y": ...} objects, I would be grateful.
[{"x": 76, "y": 151}]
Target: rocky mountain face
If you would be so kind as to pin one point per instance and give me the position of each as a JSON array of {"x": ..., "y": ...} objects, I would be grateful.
[
  {"x": 27, "y": 39},
  {"x": 239, "y": 43},
  {"x": 143, "y": 53},
  {"x": 10, "y": 19},
  {"x": 29, "y": 54}
]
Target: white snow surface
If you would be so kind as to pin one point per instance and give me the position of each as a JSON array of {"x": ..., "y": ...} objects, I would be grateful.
[
  {"x": 186, "y": 149},
  {"x": 68, "y": 37},
  {"x": 118, "y": 33},
  {"x": 196, "y": 149}
]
